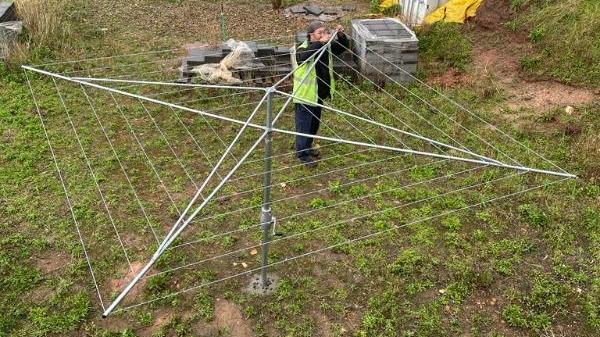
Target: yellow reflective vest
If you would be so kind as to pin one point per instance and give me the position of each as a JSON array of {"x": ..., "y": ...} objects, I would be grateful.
[{"x": 306, "y": 91}]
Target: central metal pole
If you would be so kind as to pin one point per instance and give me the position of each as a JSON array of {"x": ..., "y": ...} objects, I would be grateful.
[{"x": 266, "y": 218}]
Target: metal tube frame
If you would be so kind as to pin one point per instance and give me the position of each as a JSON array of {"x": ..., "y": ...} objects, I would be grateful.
[{"x": 266, "y": 218}]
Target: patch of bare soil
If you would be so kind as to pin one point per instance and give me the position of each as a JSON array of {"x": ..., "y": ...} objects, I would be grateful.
[
  {"x": 496, "y": 61},
  {"x": 116, "y": 285},
  {"x": 162, "y": 318},
  {"x": 497, "y": 56},
  {"x": 486, "y": 305},
  {"x": 228, "y": 315},
  {"x": 168, "y": 23},
  {"x": 544, "y": 95},
  {"x": 492, "y": 14},
  {"x": 502, "y": 64},
  {"x": 324, "y": 326},
  {"x": 51, "y": 263},
  {"x": 114, "y": 323},
  {"x": 229, "y": 318},
  {"x": 451, "y": 78}
]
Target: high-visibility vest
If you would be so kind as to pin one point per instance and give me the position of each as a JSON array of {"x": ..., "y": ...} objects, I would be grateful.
[{"x": 306, "y": 91}]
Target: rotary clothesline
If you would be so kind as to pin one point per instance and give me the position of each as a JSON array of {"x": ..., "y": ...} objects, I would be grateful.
[{"x": 184, "y": 220}]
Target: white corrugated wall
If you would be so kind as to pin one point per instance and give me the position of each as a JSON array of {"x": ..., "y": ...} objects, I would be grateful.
[{"x": 414, "y": 11}]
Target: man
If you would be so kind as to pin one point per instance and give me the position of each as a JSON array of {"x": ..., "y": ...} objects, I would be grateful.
[{"x": 313, "y": 83}]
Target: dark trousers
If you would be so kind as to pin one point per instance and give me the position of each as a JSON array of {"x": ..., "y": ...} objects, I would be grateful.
[{"x": 307, "y": 121}]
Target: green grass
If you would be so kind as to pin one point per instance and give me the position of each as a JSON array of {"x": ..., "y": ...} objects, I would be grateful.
[
  {"x": 566, "y": 37},
  {"x": 444, "y": 45}
]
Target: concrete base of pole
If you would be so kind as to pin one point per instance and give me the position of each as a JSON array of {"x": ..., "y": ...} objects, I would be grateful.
[{"x": 256, "y": 286}]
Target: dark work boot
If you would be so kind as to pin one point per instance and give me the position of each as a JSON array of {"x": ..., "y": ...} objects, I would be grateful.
[{"x": 308, "y": 161}]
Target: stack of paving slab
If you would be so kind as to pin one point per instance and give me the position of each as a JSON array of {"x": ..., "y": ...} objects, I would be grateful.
[
  {"x": 271, "y": 62},
  {"x": 386, "y": 49},
  {"x": 10, "y": 27}
]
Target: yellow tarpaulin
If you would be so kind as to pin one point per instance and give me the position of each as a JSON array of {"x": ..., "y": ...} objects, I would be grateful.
[
  {"x": 385, "y": 4},
  {"x": 454, "y": 11}
]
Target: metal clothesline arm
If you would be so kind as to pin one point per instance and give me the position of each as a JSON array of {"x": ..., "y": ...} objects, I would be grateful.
[
  {"x": 429, "y": 140},
  {"x": 428, "y": 154},
  {"x": 190, "y": 85},
  {"x": 177, "y": 230},
  {"x": 144, "y": 98}
]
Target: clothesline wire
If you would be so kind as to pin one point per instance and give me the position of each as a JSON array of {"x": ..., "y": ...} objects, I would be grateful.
[
  {"x": 93, "y": 175},
  {"x": 330, "y": 225},
  {"x": 65, "y": 190},
  {"x": 350, "y": 241},
  {"x": 317, "y": 191}
]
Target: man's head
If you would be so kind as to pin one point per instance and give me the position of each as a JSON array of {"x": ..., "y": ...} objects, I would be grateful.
[{"x": 316, "y": 31}]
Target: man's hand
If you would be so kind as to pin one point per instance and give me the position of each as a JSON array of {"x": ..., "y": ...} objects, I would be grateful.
[{"x": 340, "y": 28}]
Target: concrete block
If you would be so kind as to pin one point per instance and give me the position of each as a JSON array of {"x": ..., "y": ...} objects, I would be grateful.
[
  {"x": 184, "y": 80},
  {"x": 282, "y": 50},
  {"x": 8, "y": 11},
  {"x": 379, "y": 42},
  {"x": 264, "y": 50},
  {"x": 214, "y": 58},
  {"x": 9, "y": 33}
]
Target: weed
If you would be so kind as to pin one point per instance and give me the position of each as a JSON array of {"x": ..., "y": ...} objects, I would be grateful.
[
  {"x": 534, "y": 215},
  {"x": 335, "y": 187},
  {"x": 514, "y": 316},
  {"x": 551, "y": 23},
  {"x": 452, "y": 223},
  {"x": 445, "y": 43},
  {"x": 407, "y": 263},
  {"x": 536, "y": 35},
  {"x": 46, "y": 26},
  {"x": 382, "y": 317},
  {"x": 205, "y": 306},
  {"x": 317, "y": 203}
]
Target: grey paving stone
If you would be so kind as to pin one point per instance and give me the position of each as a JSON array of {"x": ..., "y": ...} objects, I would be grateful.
[
  {"x": 253, "y": 45},
  {"x": 203, "y": 51},
  {"x": 298, "y": 10},
  {"x": 314, "y": 10},
  {"x": 8, "y": 11},
  {"x": 265, "y": 50},
  {"x": 213, "y": 58},
  {"x": 331, "y": 11},
  {"x": 9, "y": 33},
  {"x": 349, "y": 7},
  {"x": 184, "y": 80}
]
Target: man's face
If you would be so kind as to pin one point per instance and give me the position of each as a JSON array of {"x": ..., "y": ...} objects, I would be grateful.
[{"x": 318, "y": 34}]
